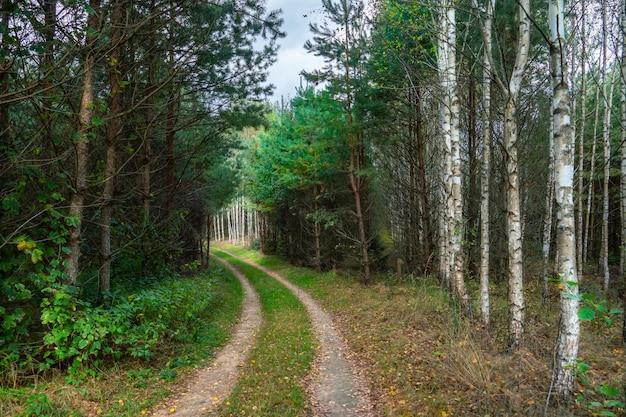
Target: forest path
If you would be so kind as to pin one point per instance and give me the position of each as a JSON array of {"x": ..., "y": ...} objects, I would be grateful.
[
  {"x": 210, "y": 386},
  {"x": 336, "y": 388}
]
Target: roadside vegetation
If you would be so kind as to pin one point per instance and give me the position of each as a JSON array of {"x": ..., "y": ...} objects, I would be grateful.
[
  {"x": 141, "y": 346},
  {"x": 422, "y": 359}
]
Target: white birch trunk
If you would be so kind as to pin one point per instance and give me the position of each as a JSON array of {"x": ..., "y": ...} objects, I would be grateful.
[
  {"x": 457, "y": 224},
  {"x": 592, "y": 170},
  {"x": 606, "y": 145},
  {"x": 485, "y": 308},
  {"x": 564, "y": 144},
  {"x": 446, "y": 167},
  {"x": 581, "y": 141},
  {"x": 514, "y": 220}
]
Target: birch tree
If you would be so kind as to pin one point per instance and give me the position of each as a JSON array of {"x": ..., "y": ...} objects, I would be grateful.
[
  {"x": 581, "y": 140},
  {"x": 452, "y": 174},
  {"x": 486, "y": 165},
  {"x": 606, "y": 146},
  {"x": 564, "y": 144},
  {"x": 514, "y": 218}
]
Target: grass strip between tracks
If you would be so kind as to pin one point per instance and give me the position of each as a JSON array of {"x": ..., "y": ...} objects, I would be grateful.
[{"x": 271, "y": 383}]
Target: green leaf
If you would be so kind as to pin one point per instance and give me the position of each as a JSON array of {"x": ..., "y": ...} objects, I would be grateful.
[
  {"x": 607, "y": 413},
  {"x": 613, "y": 403},
  {"x": 96, "y": 121},
  {"x": 609, "y": 391},
  {"x": 586, "y": 314},
  {"x": 615, "y": 311},
  {"x": 11, "y": 205},
  {"x": 36, "y": 256}
]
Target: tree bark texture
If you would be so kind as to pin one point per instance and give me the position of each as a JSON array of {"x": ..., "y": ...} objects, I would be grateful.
[
  {"x": 514, "y": 219},
  {"x": 453, "y": 172},
  {"x": 564, "y": 144},
  {"x": 485, "y": 241},
  {"x": 115, "y": 126},
  {"x": 85, "y": 116}
]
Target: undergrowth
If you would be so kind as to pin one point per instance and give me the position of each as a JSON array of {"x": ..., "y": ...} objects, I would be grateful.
[
  {"x": 271, "y": 383},
  {"x": 124, "y": 357}
]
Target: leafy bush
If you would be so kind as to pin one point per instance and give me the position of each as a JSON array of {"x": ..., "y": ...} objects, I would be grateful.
[{"x": 79, "y": 335}]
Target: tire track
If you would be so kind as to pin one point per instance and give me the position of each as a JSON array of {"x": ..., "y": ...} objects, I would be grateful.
[
  {"x": 211, "y": 385},
  {"x": 336, "y": 389}
]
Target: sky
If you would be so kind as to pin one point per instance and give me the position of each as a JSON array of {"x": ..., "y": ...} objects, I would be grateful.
[{"x": 292, "y": 57}]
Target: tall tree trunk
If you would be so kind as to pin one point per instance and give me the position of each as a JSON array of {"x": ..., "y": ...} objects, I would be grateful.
[
  {"x": 115, "y": 126},
  {"x": 564, "y": 144},
  {"x": 606, "y": 146},
  {"x": 592, "y": 170},
  {"x": 547, "y": 221},
  {"x": 317, "y": 229},
  {"x": 81, "y": 144},
  {"x": 485, "y": 308},
  {"x": 514, "y": 220},
  {"x": 581, "y": 142},
  {"x": 451, "y": 132},
  {"x": 427, "y": 243},
  {"x": 357, "y": 182}
]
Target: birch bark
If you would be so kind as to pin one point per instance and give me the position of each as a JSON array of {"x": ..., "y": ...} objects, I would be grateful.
[
  {"x": 514, "y": 220},
  {"x": 564, "y": 144},
  {"x": 486, "y": 168},
  {"x": 606, "y": 146},
  {"x": 581, "y": 141},
  {"x": 453, "y": 162}
]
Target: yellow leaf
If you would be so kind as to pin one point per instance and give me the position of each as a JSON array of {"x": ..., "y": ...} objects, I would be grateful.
[
  {"x": 444, "y": 414},
  {"x": 531, "y": 401},
  {"x": 172, "y": 409}
]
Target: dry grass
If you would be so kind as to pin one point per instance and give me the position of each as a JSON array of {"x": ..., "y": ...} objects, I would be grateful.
[{"x": 422, "y": 360}]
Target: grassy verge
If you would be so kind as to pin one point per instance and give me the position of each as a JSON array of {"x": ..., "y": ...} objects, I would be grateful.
[
  {"x": 421, "y": 359},
  {"x": 129, "y": 387},
  {"x": 272, "y": 381}
]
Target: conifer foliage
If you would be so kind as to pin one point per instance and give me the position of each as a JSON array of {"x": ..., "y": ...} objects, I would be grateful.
[{"x": 114, "y": 145}]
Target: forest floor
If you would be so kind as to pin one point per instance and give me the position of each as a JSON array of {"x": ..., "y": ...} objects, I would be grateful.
[
  {"x": 324, "y": 345},
  {"x": 336, "y": 389},
  {"x": 420, "y": 358}
]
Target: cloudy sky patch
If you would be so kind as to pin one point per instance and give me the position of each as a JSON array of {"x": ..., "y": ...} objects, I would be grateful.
[{"x": 292, "y": 57}]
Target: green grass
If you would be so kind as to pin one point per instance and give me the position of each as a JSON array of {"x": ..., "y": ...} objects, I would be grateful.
[
  {"x": 272, "y": 380},
  {"x": 129, "y": 387}
]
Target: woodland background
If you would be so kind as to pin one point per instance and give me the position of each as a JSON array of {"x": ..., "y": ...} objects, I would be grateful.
[{"x": 483, "y": 142}]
